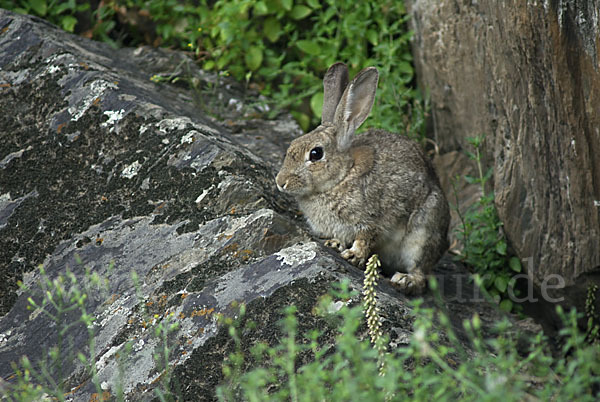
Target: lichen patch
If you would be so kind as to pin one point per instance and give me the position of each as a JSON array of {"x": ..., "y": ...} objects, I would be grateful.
[
  {"x": 132, "y": 170},
  {"x": 113, "y": 117},
  {"x": 297, "y": 254},
  {"x": 97, "y": 90}
]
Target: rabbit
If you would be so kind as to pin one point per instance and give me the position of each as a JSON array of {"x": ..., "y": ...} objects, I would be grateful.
[{"x": 371, "y": 193}]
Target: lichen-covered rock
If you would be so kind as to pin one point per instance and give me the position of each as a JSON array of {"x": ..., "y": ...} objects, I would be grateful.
[
  {"x": 128, "y": 190},
  {"x": 528, "y": 75}
]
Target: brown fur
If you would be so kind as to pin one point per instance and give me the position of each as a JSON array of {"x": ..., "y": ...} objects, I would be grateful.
[{"x": 372, "y": 193}]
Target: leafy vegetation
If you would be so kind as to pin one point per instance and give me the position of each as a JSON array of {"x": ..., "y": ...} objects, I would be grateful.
[
  {"x": 286, "y": 47},
  {"x": 57, "y": 299},
  {"x": 484, "y": 244},
  {"x": 280, "y": 47},
  {"x": 433, "y": 364},
  {"x": 64, "y": 301},
  {"x": 60, "y": 12}
]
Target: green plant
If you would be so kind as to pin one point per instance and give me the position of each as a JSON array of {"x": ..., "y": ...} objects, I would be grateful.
[
  {"x": 283, "y": 48},
  {"x": 371, "y": 310},
  {"x": 346, "y": 369},
  {"x": 591, "y": 314},
  {"x": 64, "y": 301},
  {"x": 484, "y": 244},
  {"x": 280, "y": 47},
  {"x": 434, "y": 364},
  {"x": 286, "y": 47},
  {"x": 162, "y": 330},
  {"x": 59, "y": 12}
]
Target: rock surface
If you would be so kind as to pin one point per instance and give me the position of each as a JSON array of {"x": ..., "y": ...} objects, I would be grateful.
[
  {"x": 528, "y": 75},
  {"x": 104, "y": 173}
]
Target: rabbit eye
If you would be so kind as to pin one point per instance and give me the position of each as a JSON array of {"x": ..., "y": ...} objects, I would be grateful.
[{"x": 315, "y": 154}]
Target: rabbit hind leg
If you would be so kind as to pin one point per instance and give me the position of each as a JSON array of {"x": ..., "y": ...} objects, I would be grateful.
[
  {"x": 424, "y": 244},
  {"x": 412, "y": 253}
]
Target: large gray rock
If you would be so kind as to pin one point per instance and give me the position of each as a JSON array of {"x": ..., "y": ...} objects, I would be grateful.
[
  {"x": 527, "y": 74},
  {"x": 104, "y": 173}
]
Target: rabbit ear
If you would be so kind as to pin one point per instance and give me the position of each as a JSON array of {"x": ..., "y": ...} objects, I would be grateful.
[
  {"x": 355, "y": 105},
  {"x": 334, "y": 83}
]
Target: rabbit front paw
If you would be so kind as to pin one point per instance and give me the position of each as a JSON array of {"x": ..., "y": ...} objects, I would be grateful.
[
  {"x": 353, "y": 258},
  {"x": 410, "y": 284},
  {"x": 335, "y": 244},
  {"x": 357, "y": 254}
]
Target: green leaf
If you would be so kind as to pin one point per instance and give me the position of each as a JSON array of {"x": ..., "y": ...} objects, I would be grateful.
[
  {"x": 501, "y": 248},
  {"x": 40, "y": 7},
  {"x": 222, "y": 62},
  {"x": 68, "y": 23},
  {"x": 487, "y": 281},
  {"x": 506, "y": 305},
  {"x": 471, "y": 179},
  {"x": 167, "y": 31},
  {"x": 287, "y": 4},
  {"x": 474, "y": 141},
  {"x": 313, "y": 3},
  {"x": 310, "y": 47},
  {"x": 60, "y": 8},
  {"x": 501, "y": 283},
  {"x": 227, "y": 32},
  {"x": 302, "y": 119},
  {"x": 515, "y": 264},
  {"x": 254, "y": 57},
  {"x": 272, "y": 29},
  {"x": 299, "y": 11},
  {"x": 471, "y": 155},
  {"x": 209, "y": 65},
  {"x": 373, "y": 37},
  {"x": 260, "y": 8},
  {"x": 488, "y": 174},
  {"x": 82, "y": 7},
  {"x": 405, "y": 67},
  {"x": 316, "y": 103},
  {"x": 494, "y": 295}
]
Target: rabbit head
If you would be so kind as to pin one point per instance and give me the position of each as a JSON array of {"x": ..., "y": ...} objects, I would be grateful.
[{"x": 319, "y": 160}]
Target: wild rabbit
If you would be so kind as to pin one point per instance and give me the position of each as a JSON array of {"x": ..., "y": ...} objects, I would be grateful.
[{"x": 372, "y": 193}]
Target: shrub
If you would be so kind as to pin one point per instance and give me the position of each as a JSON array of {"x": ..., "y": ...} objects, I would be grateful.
[
  {"x": 280, "y": 47},
  {"x": 60, "y": 12},
  {"x": 484, "y": 245},
  {"x": 64, "y": 302},
  {"x": 434, "y": 365},
  {"x": 286, "y": 47}
]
